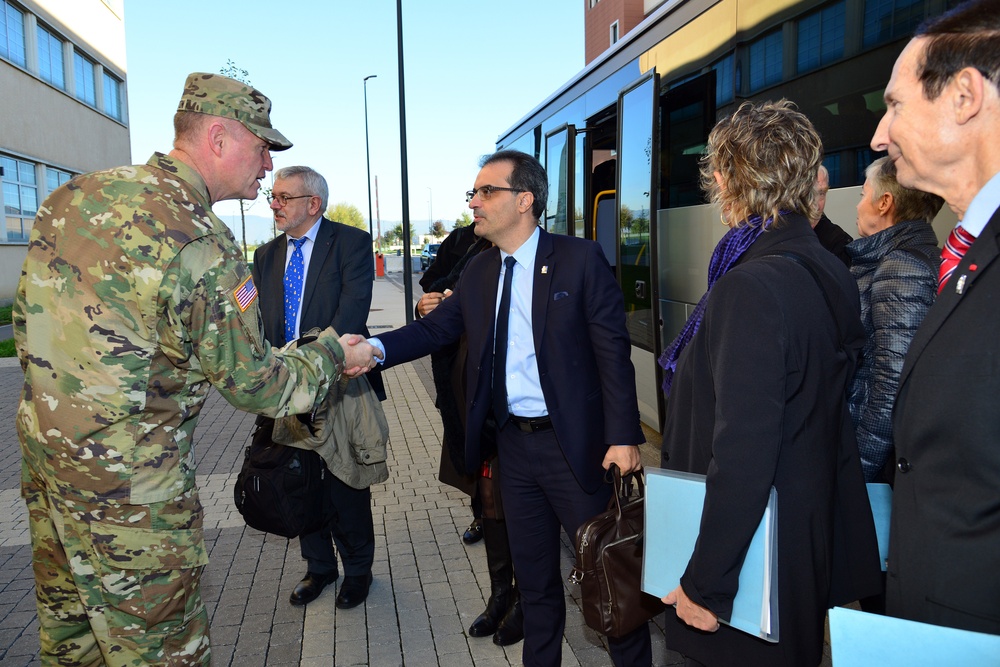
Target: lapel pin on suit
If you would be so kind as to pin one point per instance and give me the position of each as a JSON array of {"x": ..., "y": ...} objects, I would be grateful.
[
  {"x": 545, "y": 269},
  {"x": 960, "y": 285}
]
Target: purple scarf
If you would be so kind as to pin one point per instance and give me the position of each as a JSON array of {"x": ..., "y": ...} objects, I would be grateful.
[{"x": 732, "y": 246}]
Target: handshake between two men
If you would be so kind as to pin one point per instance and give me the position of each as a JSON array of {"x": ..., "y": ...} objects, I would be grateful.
[{"x": 360, "y": 356}]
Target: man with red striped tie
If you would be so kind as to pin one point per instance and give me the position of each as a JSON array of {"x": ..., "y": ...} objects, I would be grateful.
[{"x": 942, "y": 130}]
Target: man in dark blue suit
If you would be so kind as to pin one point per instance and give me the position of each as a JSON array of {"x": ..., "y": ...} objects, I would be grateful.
[
  {"x": 570, "y": 408},
  {"x": 336, "y": 291}
]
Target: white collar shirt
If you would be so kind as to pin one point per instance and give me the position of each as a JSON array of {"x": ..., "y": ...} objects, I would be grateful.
[
  {"x": 982, "y": 207},
  {"x": 524, "y": 388}
]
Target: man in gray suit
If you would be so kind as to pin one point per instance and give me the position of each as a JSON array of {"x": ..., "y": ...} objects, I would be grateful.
[
  {"x": 942, "y": 130},
  {"x": 334, "y": 270}
]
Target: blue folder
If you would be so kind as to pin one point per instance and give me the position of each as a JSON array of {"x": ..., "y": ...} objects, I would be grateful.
[
  {"x": 858, "y": 639},
  {"x": 880, "y": 496},
  {"x": 674, "y": 502}
]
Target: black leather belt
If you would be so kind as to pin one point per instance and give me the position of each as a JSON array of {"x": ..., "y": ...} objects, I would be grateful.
[{"x": 531, "y": 424}]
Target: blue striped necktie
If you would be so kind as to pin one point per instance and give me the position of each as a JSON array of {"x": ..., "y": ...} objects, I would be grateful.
[{"x": 293, "y": 287}]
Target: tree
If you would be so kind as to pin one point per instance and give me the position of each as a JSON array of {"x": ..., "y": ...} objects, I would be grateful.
[
  {"x": 234, "y": 72},
  {"x": 393, "y": 236},
  {"x": 266, "y": 191},
  {"x": 463, "y": 220},
  {"x": 240, "y": 74},
  {"x": 347, "y": 214},
  {"x": 437, "y": 230}
]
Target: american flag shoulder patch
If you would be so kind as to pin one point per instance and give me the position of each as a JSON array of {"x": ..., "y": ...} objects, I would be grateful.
[{"x": 245, "y": 294}]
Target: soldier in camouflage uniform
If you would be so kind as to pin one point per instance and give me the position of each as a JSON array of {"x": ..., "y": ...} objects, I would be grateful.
[{"x": 134, "y": 300}]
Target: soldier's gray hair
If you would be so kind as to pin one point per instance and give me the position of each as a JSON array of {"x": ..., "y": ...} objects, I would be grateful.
[{"x": 313, "y": 181}]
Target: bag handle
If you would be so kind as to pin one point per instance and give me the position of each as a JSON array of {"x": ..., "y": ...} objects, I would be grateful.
[{"x": 623, "y": 490}]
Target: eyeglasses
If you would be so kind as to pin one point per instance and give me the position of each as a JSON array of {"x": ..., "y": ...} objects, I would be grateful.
[
  {"x": 486, "y": 191},
  {"x": 284, "y": 199}
]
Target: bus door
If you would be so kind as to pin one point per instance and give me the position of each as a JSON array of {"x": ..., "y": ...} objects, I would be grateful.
[
  {"x": 562, "y": 208},
  {"x": 601, "y": 164},
  {"x": 686, "y": 229},
  {"x": 638, "y": 169}
]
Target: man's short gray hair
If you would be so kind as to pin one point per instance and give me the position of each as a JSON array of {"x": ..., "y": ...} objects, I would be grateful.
[{"x": 313, "y": 181}]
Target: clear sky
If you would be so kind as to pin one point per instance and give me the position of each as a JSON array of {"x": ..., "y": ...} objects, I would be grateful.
[{"x": 472, "y": 69}]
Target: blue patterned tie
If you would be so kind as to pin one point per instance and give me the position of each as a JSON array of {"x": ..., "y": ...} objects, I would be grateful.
[
  {"x": 500, "y": 410},
  {"x": 293, "y": 287}
]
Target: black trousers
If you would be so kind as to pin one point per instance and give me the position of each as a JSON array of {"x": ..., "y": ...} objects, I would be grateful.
[
  {"x": 541, "y": 496},
  {"x": 350, "y": 528}
]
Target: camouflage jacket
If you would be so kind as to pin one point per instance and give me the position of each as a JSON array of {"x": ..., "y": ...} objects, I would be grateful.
[{"x": 133, "y": 300}]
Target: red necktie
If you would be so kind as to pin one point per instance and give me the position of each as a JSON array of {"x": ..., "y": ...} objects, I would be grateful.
[{"x": 959, "y": 241}]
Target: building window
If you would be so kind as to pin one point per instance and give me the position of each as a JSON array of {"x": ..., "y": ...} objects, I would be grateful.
[
  {"x": 821, "y": 37},
  {"x": 50, "y": 58},
  {"x": 83, "y": 75},
  {"x": 765, "y": 61},
  {"x": 886, "y": 20},
  {"x": 54, "y": 178},
  {"x": 20, "y": 197},
  {"x": 112, "y": 96},
  {"x": 12, "y": 33},
  {"x": 593, "y": 2},
  {"x": 724, "y": 81},
  {"x": 832, "y": 164},
  {"x": 614, "y": 33}
]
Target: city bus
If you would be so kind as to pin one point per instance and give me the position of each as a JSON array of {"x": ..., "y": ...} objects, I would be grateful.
[{"x": 621, "y": 141}]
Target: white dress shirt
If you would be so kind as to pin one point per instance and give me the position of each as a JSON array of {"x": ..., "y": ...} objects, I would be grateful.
[
  {"x": 982, "y": 207},
  {"x": 524, "y": 389}
]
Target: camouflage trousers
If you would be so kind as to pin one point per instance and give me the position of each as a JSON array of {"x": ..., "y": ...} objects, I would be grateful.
[{"x": 118, "y": 584}]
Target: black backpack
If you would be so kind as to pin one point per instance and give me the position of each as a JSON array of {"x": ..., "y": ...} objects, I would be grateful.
[{"x": 280, "y": 489}]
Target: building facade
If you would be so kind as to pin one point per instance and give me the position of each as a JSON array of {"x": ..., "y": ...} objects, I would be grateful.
[
  {"x": 64, "y": 109},
  {"x": 607, "y": 21}
]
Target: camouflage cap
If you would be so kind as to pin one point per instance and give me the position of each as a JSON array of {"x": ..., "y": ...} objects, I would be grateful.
[{"x": 218, "y": 95}]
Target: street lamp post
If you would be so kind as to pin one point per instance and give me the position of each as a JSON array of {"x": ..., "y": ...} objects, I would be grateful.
[
  {"x": 368, "y": 164},
  {"x": 430, "y": 210}
]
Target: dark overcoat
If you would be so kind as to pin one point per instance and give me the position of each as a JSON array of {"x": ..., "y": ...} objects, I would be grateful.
[{"x": 944, "y": 548}]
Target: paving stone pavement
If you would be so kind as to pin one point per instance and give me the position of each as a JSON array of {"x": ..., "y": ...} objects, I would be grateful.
[{"x": 428, "y": 585}]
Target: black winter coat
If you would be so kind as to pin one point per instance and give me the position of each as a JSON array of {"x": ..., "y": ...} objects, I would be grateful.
[{"x": 896, "y": 270}]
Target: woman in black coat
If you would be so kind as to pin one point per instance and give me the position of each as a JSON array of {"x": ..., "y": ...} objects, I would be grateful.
[{"x": 756, "y": 398}]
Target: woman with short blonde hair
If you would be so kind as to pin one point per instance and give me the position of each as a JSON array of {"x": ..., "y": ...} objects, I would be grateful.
[{"x": 756, "y": 387}]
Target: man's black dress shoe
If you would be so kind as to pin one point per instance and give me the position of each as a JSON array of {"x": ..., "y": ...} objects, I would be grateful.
[
  {"x": 310, "y": 587},
  {"x": 511, "y": 628},
  {"x": 473, "y": 533},
  {"x": 354, "y": 590}
]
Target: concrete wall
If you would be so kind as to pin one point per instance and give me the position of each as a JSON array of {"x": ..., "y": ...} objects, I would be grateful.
[
  {"x": 394, "y": 263},
  {"x": 11, "y": 260},
  {"x": 47, "y": 126}
]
